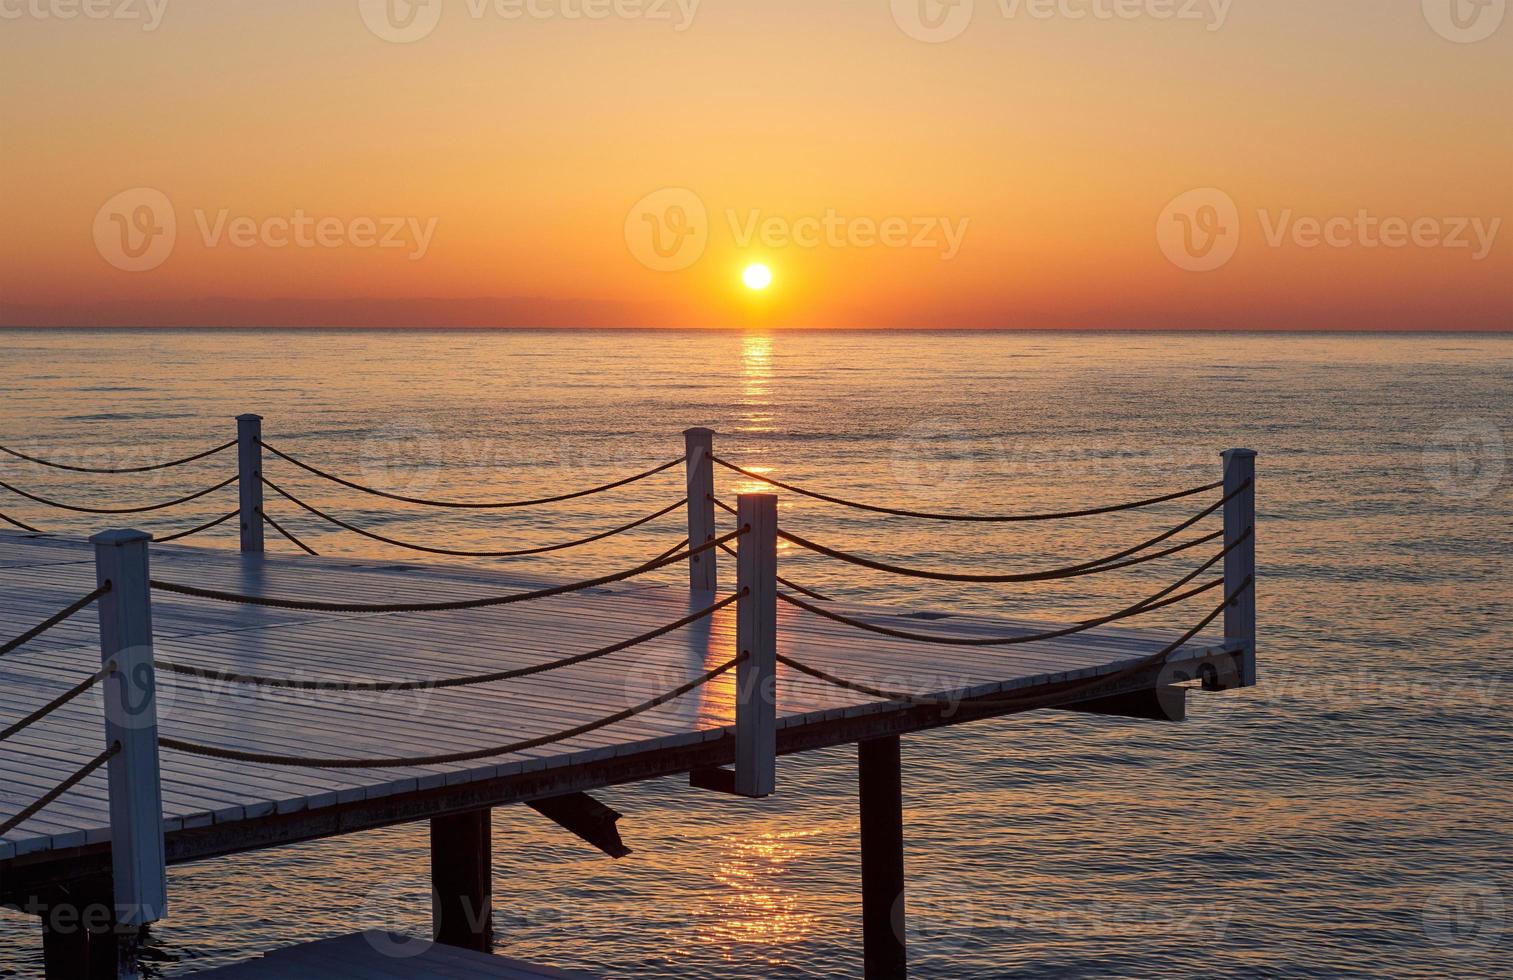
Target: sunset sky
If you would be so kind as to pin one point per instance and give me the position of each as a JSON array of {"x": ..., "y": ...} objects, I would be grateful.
[{"x": 1017, "y": 174}]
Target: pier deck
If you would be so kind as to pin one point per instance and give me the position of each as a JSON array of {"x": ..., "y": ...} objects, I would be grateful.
[
  {"x": 216, "y": 807},
  {"x": 380, "y": 956}
]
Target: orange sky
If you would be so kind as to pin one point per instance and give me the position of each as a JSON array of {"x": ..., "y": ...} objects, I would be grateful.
[{"x": 1017, "y": 174}]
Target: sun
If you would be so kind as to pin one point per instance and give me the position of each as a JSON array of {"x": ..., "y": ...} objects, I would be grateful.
[{"x": 757, "y": 277}]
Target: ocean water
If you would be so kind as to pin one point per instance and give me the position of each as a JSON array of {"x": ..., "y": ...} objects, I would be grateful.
[{"x": 1348, "y": 817}]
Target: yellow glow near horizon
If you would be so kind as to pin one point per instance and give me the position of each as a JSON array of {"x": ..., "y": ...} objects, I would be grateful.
[{"x": 757, "y": 277}]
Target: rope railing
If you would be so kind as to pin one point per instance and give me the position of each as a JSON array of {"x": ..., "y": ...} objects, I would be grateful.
[
  {"x": 72, "y": 693},
  {"x": 456, "y": 553},
  {"x": 1108, "y": 563},
  {"x": 1028, "y": 702},
  {"x": 1097, "y": 566},
  {"x": 782, "y": 581},
  {"x": 197, "y": 530},
  {"x": 25, "y": 527},
  {"x": 126, "y": 469},
  {"x": 485, "y": 505},
  {"x": 978, "y": 519},
  {"x": 420, "y": 607},
  {"x": 1149, "y": 604},
  {"x": 118, "y": 510},
  {"x": 57, "y": 791},
  {"x": 268, "y": 520},
  {"x": 53, "y": 620},
  {"x": 451, "y": 682},
  {"x": 405, "y": 762}
]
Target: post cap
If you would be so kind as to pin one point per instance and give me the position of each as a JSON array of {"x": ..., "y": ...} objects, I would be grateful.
[
  {"x": 1244, "y": 453},
  {"x": 249, "y": 418},
  {"x": 116, "y": 539},
  {"x": 699, "y": 431}
]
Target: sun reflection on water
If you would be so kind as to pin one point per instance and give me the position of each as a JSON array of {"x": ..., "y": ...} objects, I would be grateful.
[{"x": 756, "y": 911}]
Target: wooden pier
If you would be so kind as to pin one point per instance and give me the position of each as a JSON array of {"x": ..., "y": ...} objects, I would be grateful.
[{"x": 254, "y": 700}]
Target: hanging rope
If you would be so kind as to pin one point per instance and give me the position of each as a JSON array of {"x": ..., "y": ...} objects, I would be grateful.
[
  {"x": 58, "y": 702},
  {"x": 452, "y": 682},
  {"x": 524, "y": 553},
  {"x": 1008, "y": 519},
  {"x": 1139, "y": 609},
  {"x": 1107, "y": 563},
  {"x": 197, "y": 530},
  {"x": 123, "y": 510},
  {"x": 780, "y": 580},
  {"x": 280, "y": 529},
  {"x": 419, "y": 607},
  {"x": 54, "y": 620},
  {"x": 1029, "y": 702},
  {"x": 453, "y": 757},
  {"x": 474, "y": 506},
  {"x": 25, "y": 527},
  {"x": 128, "y": 469},
  {"x": 672, "y": 551},
  {"x": 60, "y": 789}
]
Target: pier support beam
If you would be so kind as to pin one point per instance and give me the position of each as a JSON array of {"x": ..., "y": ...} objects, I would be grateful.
[
  {"x": 462, "y": 894},
  {"x": 79, "y": 937},
  {"x": 882, "y": 804}
]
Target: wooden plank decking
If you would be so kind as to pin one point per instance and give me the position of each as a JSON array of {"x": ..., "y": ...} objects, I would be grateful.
[
  {"x": 378, "y": 956},
  {"x": 215, "y": 807}
]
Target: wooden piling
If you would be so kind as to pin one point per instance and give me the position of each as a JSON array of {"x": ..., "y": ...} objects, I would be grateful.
[
  {"x": 1240, "y": 562},
  {"x": 756, "y": 639},
  {"x": 249, "y": 467},
  {"x": 702, "y": 569},
  {"x": 462, "y": 899},
  {"x": 138, "y": 862},
  {"x": 880, "y": 786}
]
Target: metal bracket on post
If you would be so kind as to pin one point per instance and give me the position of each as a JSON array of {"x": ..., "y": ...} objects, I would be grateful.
[
  {"x": 249, "y": 468},
  {"x": 1240, "y": 562},
  {"x": 138, "y": 864},
  {"x": 756, "y": 640},
  {"x": 702, "y": 568}
]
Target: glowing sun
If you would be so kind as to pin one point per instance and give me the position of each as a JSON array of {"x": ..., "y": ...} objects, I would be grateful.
[{"x": 757, "y": 276}]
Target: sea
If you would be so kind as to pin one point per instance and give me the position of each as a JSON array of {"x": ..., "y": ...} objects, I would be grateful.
[{"x": 1349, "y": 816}]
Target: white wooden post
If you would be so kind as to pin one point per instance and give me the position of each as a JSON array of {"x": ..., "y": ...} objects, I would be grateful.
[
  {"x": 136, "y": 799},
  {"x": 702, "y": 569},
  {"x": 249, "y": 467},
  {"x": 1240, "y": 563},
  {"x": 756, "y": 639}
]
